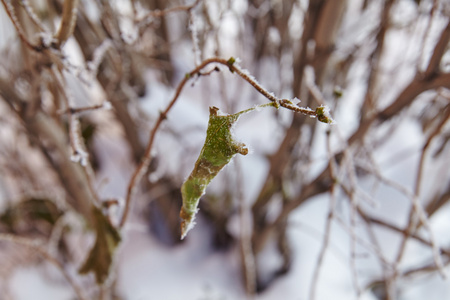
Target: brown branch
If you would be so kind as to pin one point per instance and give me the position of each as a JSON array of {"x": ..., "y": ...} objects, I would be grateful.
[
  {"x": 404, "y": 99},
  {"x": 439, "y": 50},
  {"x": 12, "y": 16},
  {"x": 323, "y": 182},
  {"x": 328, "y": 224},
  {"x": 30, "y": 12},
  {"x": 373, "y": 220},
  {"x": 68, "y": 20},
  {"x": 161, "y": 13},
  {"x": 145, "y": 161},
  {"x": 374, "y": 59},
  {"x": 417, "y": 209},
  {"x": 47, "y": 131}
]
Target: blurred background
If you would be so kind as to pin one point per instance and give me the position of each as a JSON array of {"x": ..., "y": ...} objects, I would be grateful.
[{"x": 354, "y": 210}]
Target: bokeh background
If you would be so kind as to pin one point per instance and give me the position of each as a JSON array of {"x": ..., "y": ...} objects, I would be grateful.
[{"x": 354, "y": 210}]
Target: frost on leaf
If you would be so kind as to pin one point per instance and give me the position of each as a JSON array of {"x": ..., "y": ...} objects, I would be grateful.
[
  {"x": 323, "y": 115},
  {"x": 218, "y": 150}
]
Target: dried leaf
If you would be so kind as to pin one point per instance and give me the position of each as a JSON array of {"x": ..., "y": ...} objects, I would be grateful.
[
  {"x": 31, "y": 215},
  {"x": 100, "y": 257}
]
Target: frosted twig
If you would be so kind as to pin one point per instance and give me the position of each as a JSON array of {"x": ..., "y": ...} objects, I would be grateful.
[
  {"x": 38, "y": 247},
  {"x": 417, "y": 207},
  {"x": 68, "y": 21},
  {"x": 373, "y": 220},
  {"x": 428, "y": 26},
  {"x": 79, "y": 154},
  {"x": 106, "y": 105},
  {"x": 9, "y": 8},
  {"x": 30, "y": 12},
  {"x": 230, "y": 63},
  {"x": 353, "y": 235},
  {"x": 247, "y": 256},
  {"x": 427, "y": 268},
  {"x": 363, "y": 243},
  {"x": 97, "y": 56},
  {"x": 194, "y": 36},
  {"x": 161, "y": 13},
  {"x": 380, "y": 256},
  {"x": 312, "y": 87},
  {"x": 327, "y": 234}
]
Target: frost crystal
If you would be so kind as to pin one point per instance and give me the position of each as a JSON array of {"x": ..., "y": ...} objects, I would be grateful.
[
  {"x": 323, "y": 115},
  {"x": 47, "y": 39},
  {"x": 79, "y": 154},
  {"x": 107, "y": 105},
  {"x": 80, "y": 157},
  {"x": 218, "y": 150},
  {"x": 98, "y": 55}
]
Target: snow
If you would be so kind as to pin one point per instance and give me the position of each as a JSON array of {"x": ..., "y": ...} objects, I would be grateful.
[
  {"x": 38, "y": 287},
  {"x": 149, "y": 270}
]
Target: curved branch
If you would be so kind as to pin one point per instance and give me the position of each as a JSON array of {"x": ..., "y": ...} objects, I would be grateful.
[
  {"x": 68, "y": 20},
  {"x": 21, "y": 33},
  {"x": 230, "y": 63}
]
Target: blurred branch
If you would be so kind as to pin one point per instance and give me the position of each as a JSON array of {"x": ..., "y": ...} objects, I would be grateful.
[
  {"x": 375, "y": 60},
  {"x": 45, "y": 128},
  {"x": 322, "y": 182},
  {"x": 417, "y": 209},
  {"x": 157, "y": 13},
  {"x": 230, "y": 63},
  {"x": 9, "y": 8},
  {"x": 110, "y": 74},
  {"x": 30, "y": 12},
  {"x": 39, "y": 248},
  {"x": 328, "y": 224},
  {"x": 68, "y": 20},
  {"x": 438, "y": 52}
]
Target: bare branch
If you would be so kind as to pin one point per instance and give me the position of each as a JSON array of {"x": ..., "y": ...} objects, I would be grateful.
[
  {"x": 230, "y": 63},
  {"x": 68, "y": 21},
  {"x": 9, "y": 8},
  {"x": 438, "y": 52}
]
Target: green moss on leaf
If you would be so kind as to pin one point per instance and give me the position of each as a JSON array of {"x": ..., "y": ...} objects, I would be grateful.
[{"x": 218, "y": 150}]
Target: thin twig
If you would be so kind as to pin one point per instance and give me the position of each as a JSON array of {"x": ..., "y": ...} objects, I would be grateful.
[
  {"x": 78, "y": 110},
  {"x": 230, "y": 63},
  {"x": 161, "y": 13},
  {"x": 194, "y": 36},
  {"x": 76, "y": 140},
  {"x": 68, "y": 21},
  {"x": 247, "y": 257},
  {"x": 326, "y": 236},
  {"x": 9, "y": 8},
  {"x": 417, "y": 207},
  {"x": 30, "y": 12}
]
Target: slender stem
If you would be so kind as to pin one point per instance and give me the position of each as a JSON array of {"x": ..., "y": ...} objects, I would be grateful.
[
  {"x": 145, "y": 162},
  {"x": 9, "y": 8},
  {"x": 161, "y": 13},
  {"x": 68, "y": 21}
]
